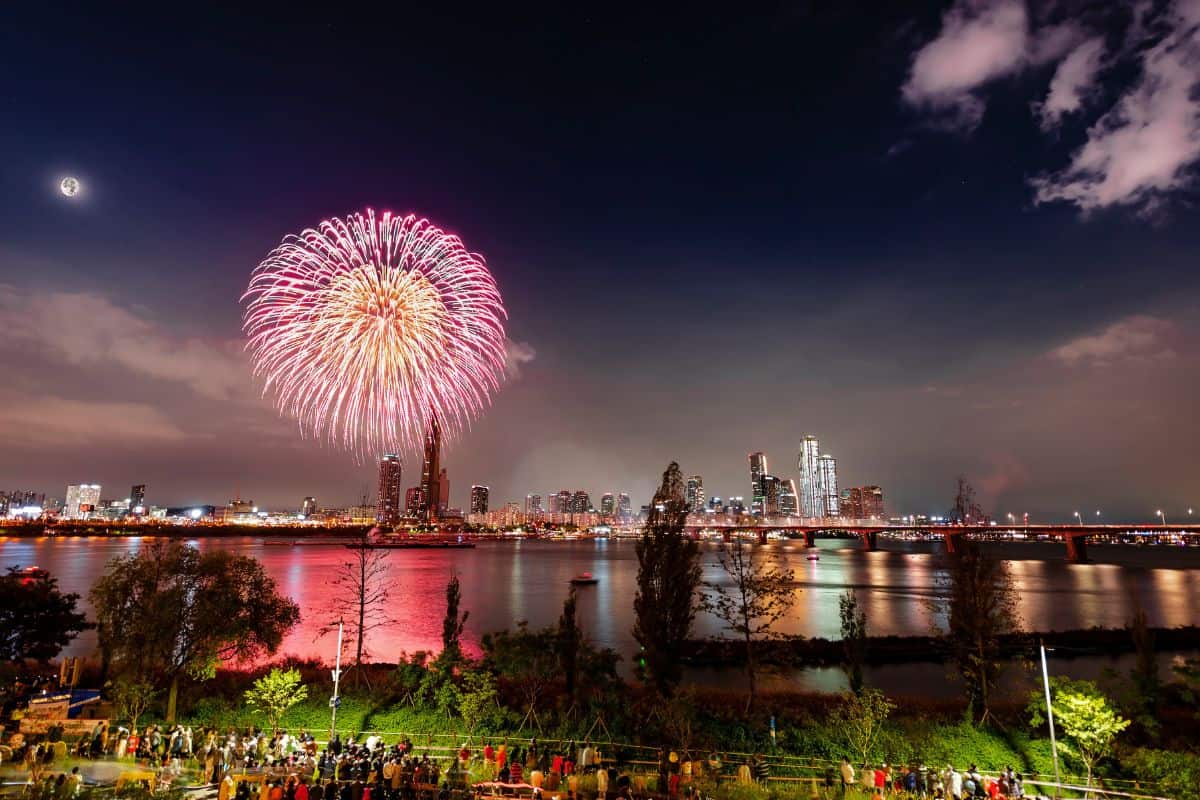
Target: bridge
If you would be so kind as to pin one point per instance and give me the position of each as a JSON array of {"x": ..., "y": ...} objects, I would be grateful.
[{"x": 1075, "y": 537}]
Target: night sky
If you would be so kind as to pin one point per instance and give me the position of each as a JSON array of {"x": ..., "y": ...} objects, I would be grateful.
[{"x": 959, "y": 241}]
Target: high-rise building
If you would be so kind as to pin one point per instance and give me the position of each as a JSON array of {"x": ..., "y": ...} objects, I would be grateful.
[
  {"x": 479, "y": 499},
  {"x": 624, "y": 505},
  {"x": 580, "y": 502},
  {"x": 758, "y": 468},
  {"x": 414, "y": 501},
  {"x": 770, "y": 495},
  {"x": 872, "y": 502},
  {"x": 137, "y": 499},
  {"x": 387, "y": 511},
  {"x": 715, "y": 505},
  {"x": 789, "y": 503},
  {"x": 694, "y": 493},
  {"x": 811, "y": 497},
  {"x": 533, "y": 504},
  {"x": 735, "y": 505},
  {"x": 561, "y": 502},
  {"x": 431, "y": 472},
  {"x": 608, "y": 504},
  {"x": 443, "y": 491},
  {"x": 850, "y": 503},
  {"x": 827, "y": 466},
  {"x": 82, "y": 500},
  {"x": 309, "y": 506}
]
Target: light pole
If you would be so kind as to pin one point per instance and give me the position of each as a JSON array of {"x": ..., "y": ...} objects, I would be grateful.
[
  {"x": 1050, "y": 717},
  {"x": 1078, "y": 518},
  {"x": 1162, "y": 517},
  {"x": 335, "y": 701}
]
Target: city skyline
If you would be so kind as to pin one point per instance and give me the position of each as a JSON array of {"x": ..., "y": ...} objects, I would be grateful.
[{"x": 946, "y": 287}]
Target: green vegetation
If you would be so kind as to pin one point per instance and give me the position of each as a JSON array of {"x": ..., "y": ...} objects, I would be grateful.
[
  {"x": 274, "y": 693},
  {"x": 36, "y": 620}
]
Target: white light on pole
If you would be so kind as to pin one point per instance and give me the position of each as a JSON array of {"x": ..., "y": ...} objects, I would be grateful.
[
  {"x": 1078, "y": 518},
  {"x": 1162, "y": 517},
  {"x": 1050, "y": 717},
  {"x": 337, "y": 674}
]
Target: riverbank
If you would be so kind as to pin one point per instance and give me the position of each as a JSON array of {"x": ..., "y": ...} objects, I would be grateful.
[{"x": 795, "y": 651}]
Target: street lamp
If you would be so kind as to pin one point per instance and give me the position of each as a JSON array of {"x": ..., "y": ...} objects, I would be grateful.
[
  {"x": 1050, "y": 718},
  {"x": 1162, "y": 517},
  {"x": 1078, "y": 518}
]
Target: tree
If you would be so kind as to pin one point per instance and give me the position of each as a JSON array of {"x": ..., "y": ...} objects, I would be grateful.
[
  {"x": 854, "y": 638},
  {"x": 359, "y": 598},
  {"x": 568, "y": 642},
  {"x": 452, "y": 626},
  {"x": 1144, "y": 675},
  {"x": 977, "y": 599},
  {"x": 1087, "y": 721},
  {"x": 860, "y": 718},
  {"x": 36, "y": 620},
  {"x": 274, "y": 693},
  {"x": 668, "y": 577},
  {"x": 757, "y": 595},
  {"x": 170, "y": 611},
  {"x": 966, "y": 511},
  {"x": 131, "y": 698},
  {"x": 477, "y": 701},
  {"x": 527, "y": 659}
]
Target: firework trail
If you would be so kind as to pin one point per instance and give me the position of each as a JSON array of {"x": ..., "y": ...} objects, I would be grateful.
[{"x": 366, "y": 326}]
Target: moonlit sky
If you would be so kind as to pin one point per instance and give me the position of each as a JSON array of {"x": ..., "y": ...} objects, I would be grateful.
[{"x": 963, "y": 240}]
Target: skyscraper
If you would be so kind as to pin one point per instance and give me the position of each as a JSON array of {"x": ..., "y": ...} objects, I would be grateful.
[
  {"x": 770, "y": 495},
  {"x": 827, "y": 466},
  {"x": 580, "y": 502},
  {"x": 309, "y": 506},
  {"x": 388, "y": 509},
  {"x": 533, "y": 504},
  {"x": 443, "y": 495},
  {"x": 624, "y": 506},
  {"x": 414, "y": 501},
  {"x": 758, "y": 468},
  {"x": 695, "y": 493},
  {"x": 479, "y": 499},
  {"x": 561, "y": 502},
  {"x": 137, "y": 498},
  {"x": 811, "y": 503},
  {"x": 82, "y": 500},
  {"x": 608, "y": 504},
  {"x": 789, "y": 503},
  {"x": 431, "y": 472},
  {"x": 872, "y": 502}
]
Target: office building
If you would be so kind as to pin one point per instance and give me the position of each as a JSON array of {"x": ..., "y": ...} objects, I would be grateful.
[
  {"x": 388, "y": 507},
  {"x": 561, "y": 502},
  {"x": 580, "y": 502},
  {"x": 479, "y": 499},
  {"x": 414, "y": 501},
  {"x": 694, "y": 493},
  {"x": 770, "y": 496},
  {"x": 608, "y": 504},
  {"x": 137, "y": 499},
  {"x": 812, "y": 502},
  {"x": 789, "y": 503},
  {"x": 309, "y": 506},
  {"x": 624, "y": 506},
  {"x": 827, "y": 468},
  {"x": 735, "y": 505},
  {"x": 533, "y": 504},
  {"x": 758, "y": 468},
  {"x": 872, "y": 502},
  {"x": 82, "y": 500},
  {"x": 431, "y": 473}
]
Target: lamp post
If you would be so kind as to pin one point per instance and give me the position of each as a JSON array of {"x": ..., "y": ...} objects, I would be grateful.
[
  {"x": 1078, "y": 518},
  {"x": 1050, "y": 718},
  {"x": 1162, "y": 517},
  {"x": 336, "y": 700}
]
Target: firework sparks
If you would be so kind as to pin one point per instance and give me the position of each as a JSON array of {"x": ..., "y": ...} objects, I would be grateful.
[{"x": 366, "y": 326}]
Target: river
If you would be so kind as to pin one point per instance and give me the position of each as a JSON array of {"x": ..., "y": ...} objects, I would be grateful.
[{"x": 504, "y": 582}]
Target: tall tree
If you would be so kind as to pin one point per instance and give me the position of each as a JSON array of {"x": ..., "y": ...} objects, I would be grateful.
[
  {"x": 1144, "y": 675},
  {"x": 36, "y": 620},
  {"x": 668, "y": 577},
  {"x": 358, "y": 599},
  {"x": 569, "y": 639},
  {"x": 966, "y": 510},
  {"x": 977, "y": 598},
  {"x": 854, "y": 638},
  {"x": 170, "y": 611},
  {"x": 452, "y": 625},
  {"x": 1087, "y": 721},
  {"x": 756, "y": 595},
  {"x": 860, "y": 718}
]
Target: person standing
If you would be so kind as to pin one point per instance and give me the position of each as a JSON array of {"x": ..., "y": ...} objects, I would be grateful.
[{"x": 847, "y": 776}]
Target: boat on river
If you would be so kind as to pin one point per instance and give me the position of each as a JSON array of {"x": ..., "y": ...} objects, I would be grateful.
[{"x": 584, "y": 579}]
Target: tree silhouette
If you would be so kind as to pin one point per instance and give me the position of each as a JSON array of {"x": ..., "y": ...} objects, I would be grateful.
[
  {"x": 854, "y": 638},
  {"x": 358, "y": 599}
]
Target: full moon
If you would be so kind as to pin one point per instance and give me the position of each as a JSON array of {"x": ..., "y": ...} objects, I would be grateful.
[{"x": 69, "y": 186}]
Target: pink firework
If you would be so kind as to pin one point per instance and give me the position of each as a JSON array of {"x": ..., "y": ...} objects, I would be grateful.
[{"x": 365, "y": 327}]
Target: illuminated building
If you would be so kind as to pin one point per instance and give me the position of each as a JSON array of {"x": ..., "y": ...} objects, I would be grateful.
[
  {"x": 812, "y": 503},
  {"x": 770, "y": 495},
  {"x": 850, "y": 503},
  {"x": 413, "y": 501},
  {"x": 479, "y": 499},
  {"x": 624, "y": 506},
  {"x": 533, "y": 504},
  {"x": 561, "y": 502},
  {"x": 695, "y": 493},
  {"x": 388, "y": 508},
  {"x": 758, "y": 468},
  {"x": 443, "y": 492},
  {"x": 715, "y": 505},
  {"x": 735, "y": 505},
  {"x": 827, "y": 466},
  {"x": 872, "y": 502},
  {"x": 608, "y": 504},
  {"x": 137, "y": 499},
  {"x": 431, "y": 473},
  {"x": 82, "y": 500},
  {"x": 580, "y": 502},
  {"x": 789, "y": 503},
  {"x": 309, "y": 506}
]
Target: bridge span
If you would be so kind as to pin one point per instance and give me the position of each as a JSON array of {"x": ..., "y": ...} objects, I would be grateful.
[{"x": 1075, "y": 537}]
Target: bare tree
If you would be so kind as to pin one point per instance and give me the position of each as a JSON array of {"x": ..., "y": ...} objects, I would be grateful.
[
  {"x": 359, "y": 598},
  {"x": 854, "y": 638},
  {"x": 757, "y": 595},
  {"x": 966, "y": 510}
]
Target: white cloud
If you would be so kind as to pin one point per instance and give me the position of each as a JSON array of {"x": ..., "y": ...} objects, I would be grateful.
[
  {"x": 43, "y": 421},
  {"x": 89, "y": 330},
  {"x": 1073, "y": 81},
  {"x": 978, "y": 42},
  {"x": 1136, "y": 338},
  {"x": 1148, "y": 143},
  {"x": 517, "y": 354}
]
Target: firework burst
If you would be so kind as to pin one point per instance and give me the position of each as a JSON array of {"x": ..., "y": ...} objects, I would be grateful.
[{"x": 365, "y": 327}]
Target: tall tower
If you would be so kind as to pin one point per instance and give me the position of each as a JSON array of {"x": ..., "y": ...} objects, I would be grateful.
[
  {"x": 811, "y": 500},
  {"x": 770, "y": 495},
  {"x": 695, "y": 493},
  {"x": 431, "y": 489},
  {"x": 479, "y": 499},
  {"x": 788, "y": 502},
  {"x": 137, "y": 499},
  {"x": 827, "y": 465},
  {"x": 758, "y": 468},
  {"x": 387, "y": 512}
]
